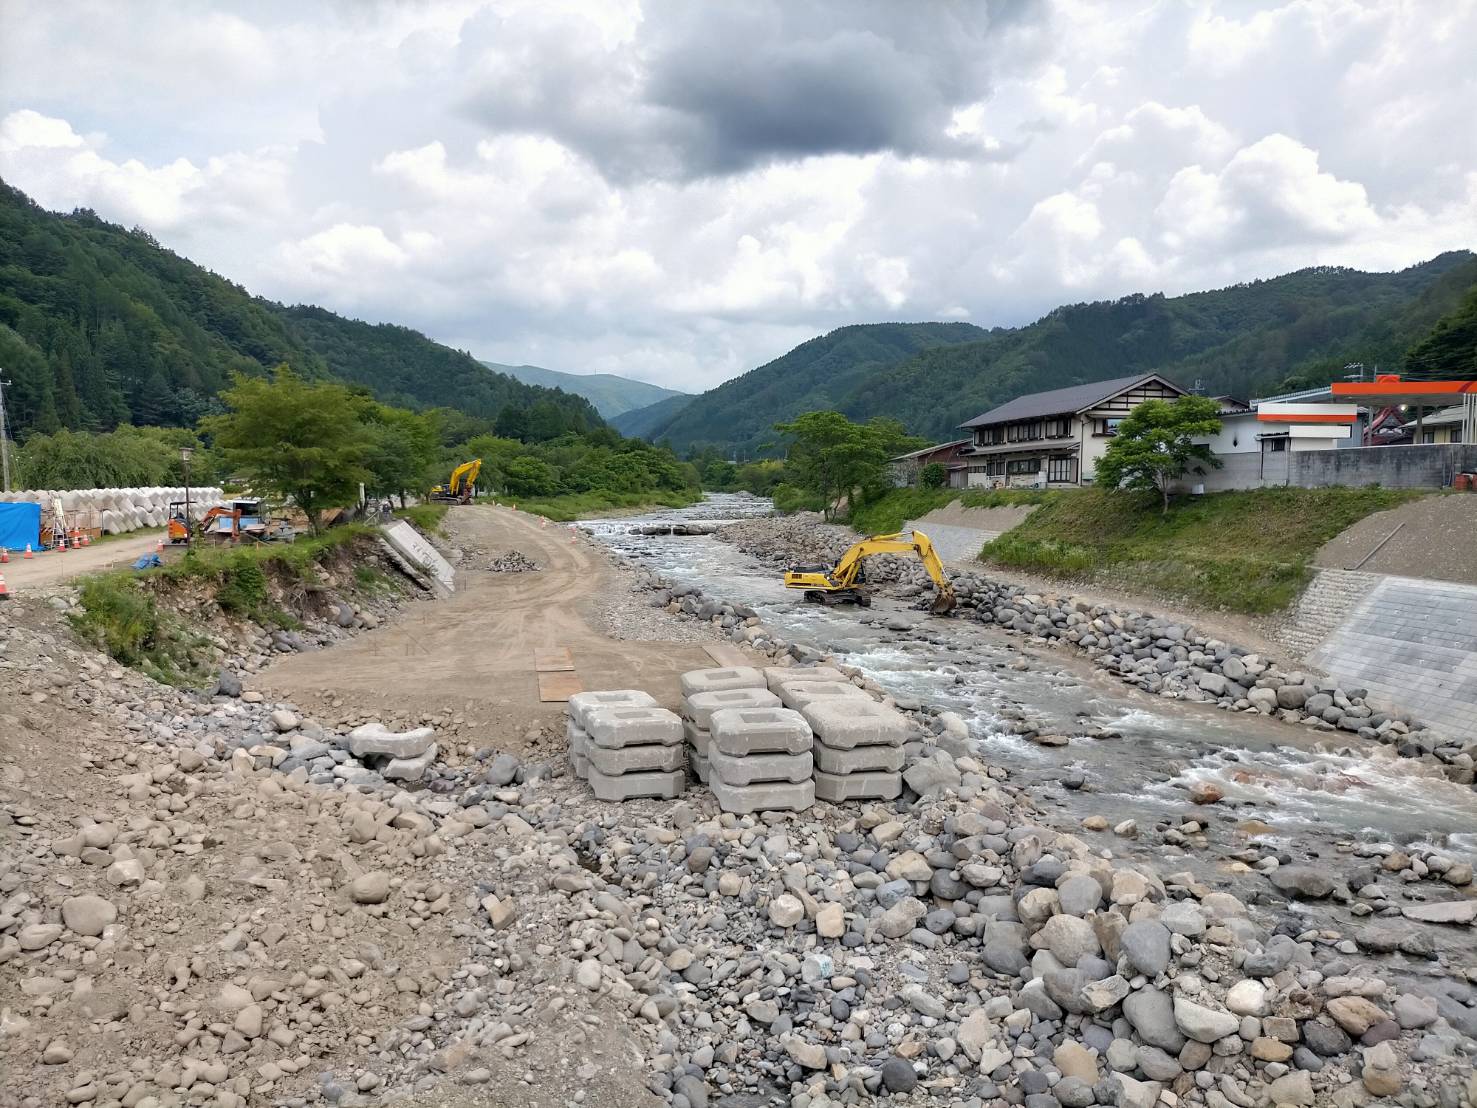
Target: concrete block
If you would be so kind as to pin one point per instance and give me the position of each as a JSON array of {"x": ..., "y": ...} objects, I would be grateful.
[
  {"x": 376, "y": 738},
  {"x": 754, "y": 769},
  {"x": 697, "y": 738},
  {"x": 410, "y": 769},
  {"x": 702, "y": 705},
  {"x": 663, "y": 784},
  {"x": 841, "y": 787},
  {"x": 872, "y": 758},
  {"x": 582, "y": 704},
  {"x": 811, "y": 692},
  {"x": 775, "y": 796},
  {"x": 775, "y": 676},
  {"x": 618, "y": 727},
  {"x": 844, "y": 726},
  {"x": 699, "y": 766},
  {"x": 741, "y": 731},
  {"x": 646, "y": 758},
  {"x": 717, "y": 680}
]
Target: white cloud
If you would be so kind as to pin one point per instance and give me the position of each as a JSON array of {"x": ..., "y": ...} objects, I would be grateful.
[{"x": 534, "y": 182}]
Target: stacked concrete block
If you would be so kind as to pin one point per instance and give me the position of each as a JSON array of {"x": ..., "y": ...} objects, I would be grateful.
[
  {"x": 858, "y": 748},
  {"x": 759, "y": 760},
  {"x": 633, "y": 752},
  {"x": 698, "y": 710},
  {"x": 775, "y": 676},
  {"x": 696, "y": 681},
  {"x": 798, "y": 694},
  {"x": 577, "y": 729}
]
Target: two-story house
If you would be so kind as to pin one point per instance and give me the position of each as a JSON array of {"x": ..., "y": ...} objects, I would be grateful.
[{"x": 1054, "y": 439}]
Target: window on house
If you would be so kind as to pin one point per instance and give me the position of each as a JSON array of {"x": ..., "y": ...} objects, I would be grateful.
[
  {"x": 1058, "y": 428},
  {"x": 1105, "y": 428},
  {"x": 1275, "y": 445},
  {"x": 1021, "y": 466},
  {"x": 1061, "y": 469},
  {"x": 1428, "y": 437},
  {"x": 997, "y": 467}
]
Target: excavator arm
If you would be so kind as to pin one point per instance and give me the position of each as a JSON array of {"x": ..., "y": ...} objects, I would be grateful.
[{"x": 842, "y": 578}]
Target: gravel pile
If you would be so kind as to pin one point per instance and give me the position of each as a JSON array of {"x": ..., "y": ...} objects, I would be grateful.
[{"x": 513, "y": 562}]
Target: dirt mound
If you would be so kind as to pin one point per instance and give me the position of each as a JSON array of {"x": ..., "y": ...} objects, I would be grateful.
[{"x": 1432, "y": 537}]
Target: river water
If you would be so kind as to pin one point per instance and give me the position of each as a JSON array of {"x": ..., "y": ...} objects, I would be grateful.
[{"x": 1288, "y": 777}]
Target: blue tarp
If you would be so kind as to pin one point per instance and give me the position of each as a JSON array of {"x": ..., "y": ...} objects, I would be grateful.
[{"x": 20, "y": 524}]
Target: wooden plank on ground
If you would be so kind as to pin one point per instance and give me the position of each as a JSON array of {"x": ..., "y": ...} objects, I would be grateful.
[
  {"x": 556, "y": 688},
  {"x": 552, "y": 660},
  {"x": 725, "y": 654}
]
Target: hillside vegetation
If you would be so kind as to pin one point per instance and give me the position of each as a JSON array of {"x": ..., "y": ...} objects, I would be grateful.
[
  {"x": 1290, "y": 331},
  {"x": 610, "y": 393},
  {"x": 1237, "y": 551},
  {"x": 644, "y": 422},
  {"x": 826, "y": 373},
  {"x": 101, "y": 326}
]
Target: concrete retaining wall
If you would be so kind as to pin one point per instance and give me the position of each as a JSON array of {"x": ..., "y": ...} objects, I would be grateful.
[
  {"x": 1394, "y": 467},
  {"x": 1413, "y": 644}
]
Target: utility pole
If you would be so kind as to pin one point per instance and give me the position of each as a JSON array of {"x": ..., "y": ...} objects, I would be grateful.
[{"x": 4, "y": 437}]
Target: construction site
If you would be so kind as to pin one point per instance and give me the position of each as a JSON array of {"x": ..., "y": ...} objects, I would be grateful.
[{"x": 522, "y": 813}]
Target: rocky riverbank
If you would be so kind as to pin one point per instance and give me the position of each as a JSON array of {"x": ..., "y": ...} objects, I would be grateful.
[{"x": 1157, "y": 655}]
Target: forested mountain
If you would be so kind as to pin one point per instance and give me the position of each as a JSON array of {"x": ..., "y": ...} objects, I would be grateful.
[
  {"x": 101, "y": 326},
  {"x": 1450, "y": 350},
  {"x": 610, "y": 393},
  {"x": 1298, "y": 329},
  {"x": 641, "y": 422},
  {"x": 826, "y": 372}
]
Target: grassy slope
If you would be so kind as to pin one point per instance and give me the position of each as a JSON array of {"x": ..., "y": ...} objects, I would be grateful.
[
  {"x": 889, "y": 512},
  {"x": 119, "y": 612},
  {"x": 1237, "y": 551}
]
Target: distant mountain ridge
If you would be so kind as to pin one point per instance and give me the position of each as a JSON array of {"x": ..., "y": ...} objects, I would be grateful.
[
  {"x": 100, "y": 325},
  {"x": 611, "y": 394},
  {"x": 1248, "y": 339}
]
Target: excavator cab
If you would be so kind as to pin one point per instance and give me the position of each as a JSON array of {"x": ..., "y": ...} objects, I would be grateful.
[
  {"x": 842, "y": 583},
  {"x": 458, "y": 490}
]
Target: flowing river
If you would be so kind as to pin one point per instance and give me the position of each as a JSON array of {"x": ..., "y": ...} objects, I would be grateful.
[{"x": 1148, "y": 750}]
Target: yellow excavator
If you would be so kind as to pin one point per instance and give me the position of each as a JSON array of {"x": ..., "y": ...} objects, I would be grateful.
[
  {"x": 842, "y": 582},
  {"x": 458, "y": 490}
]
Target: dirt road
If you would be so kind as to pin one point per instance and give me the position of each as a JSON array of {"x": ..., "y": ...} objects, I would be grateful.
[
  {"x": 474, "y": 652},
  {"x": 53, "y": 568}
]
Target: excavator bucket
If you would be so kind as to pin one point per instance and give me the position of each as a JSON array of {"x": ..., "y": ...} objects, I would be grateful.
[{"x": 943, "y": 603}]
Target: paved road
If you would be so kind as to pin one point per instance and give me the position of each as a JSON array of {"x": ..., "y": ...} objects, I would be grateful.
[
  {"x": 53, "y": 568},
  {"x": 474, "y": 651}
]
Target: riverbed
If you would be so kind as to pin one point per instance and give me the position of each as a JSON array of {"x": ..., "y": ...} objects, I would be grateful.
[{"x": 1129, "y": 755}]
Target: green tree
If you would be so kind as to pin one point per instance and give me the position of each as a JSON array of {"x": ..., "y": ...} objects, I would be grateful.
[
  {"x": 525, "y": 476},
  {"x": 836, "y": 459},
  {"x": 294, "y": 440},
  {"x": 1450, "y": 350},
  {"x": 401, "y": 446},
  {"x": 1155, "y": 446},
  {"x": 935, "y": 475}
]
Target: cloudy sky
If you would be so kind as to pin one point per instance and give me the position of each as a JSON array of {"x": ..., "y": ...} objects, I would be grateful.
[{"x": 679, "y": 191}]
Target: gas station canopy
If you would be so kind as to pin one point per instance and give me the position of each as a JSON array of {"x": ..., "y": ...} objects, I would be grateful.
[{"x": 1388, "y": 391}]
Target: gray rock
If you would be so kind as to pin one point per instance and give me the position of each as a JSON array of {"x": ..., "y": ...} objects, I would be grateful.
[
  {"x": 1151, "y": 1014},
  {"x": 1079, "y": 895},
  {"x": 898, "y": 1075},
  {"x": 1302, "y": 882},
  {"x": 1157, "y": 1064},
  {"x": 1204, "y": 1025},
  {"x": 1145, "y": 943}
]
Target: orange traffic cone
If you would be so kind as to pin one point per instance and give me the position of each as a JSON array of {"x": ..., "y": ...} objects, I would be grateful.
[
  {"x": 4, "y": 555},
  {"x": 159, "y": 546},
  {"x": 28, "y": 555},
  {"x": 61, "y": 544},
  {"x": 4, "y": 592}
]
